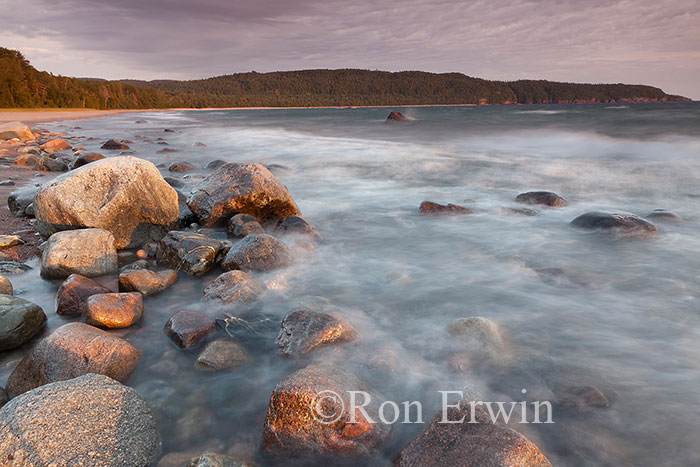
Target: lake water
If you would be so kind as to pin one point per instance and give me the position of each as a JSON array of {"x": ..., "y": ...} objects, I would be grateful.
[{"x": 623, "y": 316}]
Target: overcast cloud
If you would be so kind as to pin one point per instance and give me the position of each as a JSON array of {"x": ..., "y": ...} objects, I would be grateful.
[{"x": 645, "y": 41}]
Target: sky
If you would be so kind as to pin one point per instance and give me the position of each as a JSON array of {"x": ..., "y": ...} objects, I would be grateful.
[{"x": 654, "y": 42}]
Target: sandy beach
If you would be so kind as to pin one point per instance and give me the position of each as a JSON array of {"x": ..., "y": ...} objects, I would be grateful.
[{"x": 28, "y": 116}]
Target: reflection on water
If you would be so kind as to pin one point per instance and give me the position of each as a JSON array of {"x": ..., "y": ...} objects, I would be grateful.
[{"x": 618, "y": 315}]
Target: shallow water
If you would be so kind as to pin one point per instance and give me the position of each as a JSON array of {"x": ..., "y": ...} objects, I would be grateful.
[{"x": 626, "y": 321}]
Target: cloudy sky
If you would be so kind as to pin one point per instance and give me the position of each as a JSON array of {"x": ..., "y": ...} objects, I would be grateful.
[{"x": 653, "y": 42}]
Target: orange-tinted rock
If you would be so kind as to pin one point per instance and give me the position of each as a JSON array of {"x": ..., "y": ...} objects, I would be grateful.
[
  {"x": 114, "y": 144},
  {"x": 146, "y": 281},
  {"x": 221, "y": 354},
  {"x": 431, "y": 208},
  {"x": 188, "y": 328},
  {"x": 55, "y": 145},
  {"x": 180, "y": 166},
  {"x": 546, "y": 198},
  {"x": 114, "y": 310},
  {"x": 304, "y": 330},
  {"x": 232, "y": 288},
  {"x": 241, "y": 225},
  {"x": 12, "y": 130},
  {"x": 72, "y": 295}
]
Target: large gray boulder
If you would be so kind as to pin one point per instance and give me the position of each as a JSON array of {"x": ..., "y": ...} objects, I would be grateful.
[
  {"x": 125, "y": 195},
  {"x": 20, "y": 320},
  {"x": 241, "y": 188},
  {"x": 90, "y": 420},
  {"x": 88, "y": 252}
]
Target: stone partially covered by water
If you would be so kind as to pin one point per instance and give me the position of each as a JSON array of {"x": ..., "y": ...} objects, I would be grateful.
[
  {"x": 192, "y": 253},
  {"x": 303, "y": 331},
  {"x": 221, "y": 354},
  {"x": 621, "y": 225},
  {"x": 146, "y": 281},
  {"x": 88, "y": 252},
  {"x": 258, "y": 252},
  {"x": 73, "y": 293},
  {"x": 546, "y": 198},
  {"x": 429, "y": 208},
  {"x": 20, "y": 320},
  {"x": 241, "y": 225},
  {"x": 188, "y": 328},
  {"x": 232, "y": 288},
  {"x": 114, "y": 310}
]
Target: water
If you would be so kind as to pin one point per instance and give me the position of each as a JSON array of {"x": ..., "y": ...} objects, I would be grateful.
[{"x": 626, "y": 321}]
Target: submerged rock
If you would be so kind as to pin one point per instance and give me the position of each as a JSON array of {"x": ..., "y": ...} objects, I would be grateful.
[
  {"x": 146, "y": 281},
  {"x": 241, "y": 225},
  {"x": 188, "y": 328},
  {"x": 580, "y": 399},
  {"x": 125, "y": 195},
  {"x": 430, "y": 208},
  {"x": 258, "y": 252},
  {"x": 114, "y": 310},
  {"x": 221, "y": 354},
  {"x": 303, "y": 331},
  {"x": 21, "y": 202},
  {"x": 20, "y": 320},
  {"x": 480, "y": 331},
  {"x": 546, "y": 198},
  {"x": 241, "y": 188},
  {"x": 72, "y": 350},
  {"x": 89, "y": 420},
  {"x": 396, "y": 117},
  {"x": 664, "y": 215},
  {"x": 114, "y": 145},
  {"x": 295, "y": 225},
  {"x": 232, "y": 288},
  {"x": 299, "y": 422},
  {"x": 621, "y": 225},
  {"x": 88, "y": 252},
  {"x": 192, "y": 253}
]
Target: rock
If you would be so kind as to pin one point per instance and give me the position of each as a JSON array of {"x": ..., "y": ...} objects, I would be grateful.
[
  {"x": 4, "y": 398},
  {"x": 482, "y": 443},
  {"x": 300, "y": 423},
  {"x": 304, "y": 330},
  {"x": 580, "y": 399},
  {"x": 174, "y": 182},
  {"x": 215, "y": 164},
  {"x": 89, "y": 420},
  {"x": 430, "y": 208},
  {"x": 50, "y": 165},
  {"x": 396, "y": 117},
  {"x": 664, "y": 215},
  {"x": 55, "y": 145},
  {"x": 240, "y": 188},
  {"x": 621, "y": 225},
  {"x": 139, "y": 264},
  {"x": 258, "y": 252},
  {"x": 168, "y": 130},
  {"x": 114, "y": 145},
  {"x": 192, "y": 253},
  {"x": 114, "y": 310},
  {"x": 180, "y": 166},
  {"x": 481, "y": 331},
  {"x": 221, "y": 354},
  {"x": 241, "y": 225},
  {"x": 232, "y": 288},
  {"x": 20, "y": 320},
  {"x": 73, "y": 294},
  {"x": 72, "y": 350},
  {"x": 87, "y": 158},
  {"x": 146, "y": 281},
  {"x": 21, "y": 202},
  {"x": 8, "y": 241},
  {"x": 521, "y": 211},
  {"x": 5, "y": 286},
  {"x": 88, "y": 252},
  {"x": 199, "y": 145},
  {"x": 546, "y": 198},
  {"x": 124, "y": 195},
  {"x": 7, "y": 183},
  {"x": 188, "y": 328},
  {"x": 295, "y": 225},
  {"x": 13, "y": 267},
  {"x": 215, "y": 459},
  {"x": 13, "y": 130}
]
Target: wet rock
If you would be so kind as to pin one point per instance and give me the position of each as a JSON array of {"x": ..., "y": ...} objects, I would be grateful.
[
  {"x": 221, "y": 354},
  {"x": 168, "y": 130},
  {"x": 7, "y": 183},
  {"x": 621, "y": 225},
  {"x": 55, "y": 145},
  {"x": 557, "y": 277},
  {"x": 546, "y": 198},
  {"x": 90, "y": 420},
  {"x": 521, "y": 211},
  {"x": 482, "y": 443},
  {"x": 139, "y": 264},
  {"x": 13, "y": 130},
  {"x": 199, "y": 144},
  {"x": 20, "y": 320},
  {"x": 50, "y": 165},
  {"x": 188, "y": 328},
  {"x": 580, "y": 399},
  {"x": 114, "y": 310},
  {"x": 664, "y": 216},
  {"x": 430, "y": 208},
  {"x": 87, "y": 158},
  {"x": 8, "y": 241},
  {"x": 292, "y": 424},
  {"x": 240, "y": 188},
  {"x": 303, "y": 331},
  {"x": 88, "y": 252},
  {"x": 73, "y": 294},
  {"x": 258, "y": 252},
  {"x": 124, "y": 195},
  {"x": 174, "y": 182},
  {"x": 192, "y": 253},
  {"x": 114, "y": 145},
  {"x": 13, "y": 267},
  {"x": 295, "y": 225},
  {"x": 5, "y": 286},
  {"x": 241, "y": 225},
  {"x": 232, "y": 288},
  {"x": 248, "y": 324},
  {"x": 396, "y": 117},
  {"x": 146, "y": 281},
  {"x": 72, "y": 350},
  {"x": 21, "y": 202},
  {"x": 27, "y": 160},
  {"x": 181, "y": 166},
  {"x": 215, "y": 459},
  {"x": 480, "y": 331},
  {"x": 215, "y": 164},
  {"x": 4, "y": 398}
]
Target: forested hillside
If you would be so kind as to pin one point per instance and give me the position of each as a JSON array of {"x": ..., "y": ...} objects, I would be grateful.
[{"x": 21, "y": 85}]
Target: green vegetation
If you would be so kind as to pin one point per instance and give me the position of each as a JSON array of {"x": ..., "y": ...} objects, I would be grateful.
[{"x": 21, "y": 85}]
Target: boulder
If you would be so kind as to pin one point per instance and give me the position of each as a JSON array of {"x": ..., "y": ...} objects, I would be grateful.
[
  {"x": 114, "y": 145},
  {"x": 295, "y": 225},
  {"x": 664, "y": 216},
  {"x": 21, "y": 202},
  {"x": 303, "y": 331},
  {"x": 88, "y": 252},
  {"x": 258, "y": 252},
  {"x": 87, "y": 158},
  {"x": 20, "y": 320},
  {"x": 5, "y": 286},
  {"x": 396, "y": 117},
  {"x": 188, "y": 328},
  {"x": 180, "y": 166},
  {"x": 146, "y": 281},
  {"x": 299, "y": 422},
  {"x": 73, "y": 294},
  {"x": 241, "y": 188},
  {"x": 90, "y": 420},
  {"x": 192, "y": 253},
  {"x": 620, "y": 225},
  {"x": 124, "y": 195},
  {"x": 114, "y": 310},
  {"x": 546, "y": 198},
  {"x": 13, "y": 130},
  {"x": 430, "y": 208},
  {"x": 221, "y": 354},
  {"x": 72, "y": 350},
  {"x": 482, "y": 443},
  {"x": 55, "y": 145},
  {"x": 241, "y": 225},
  {"x": 232, "y": 288}
]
